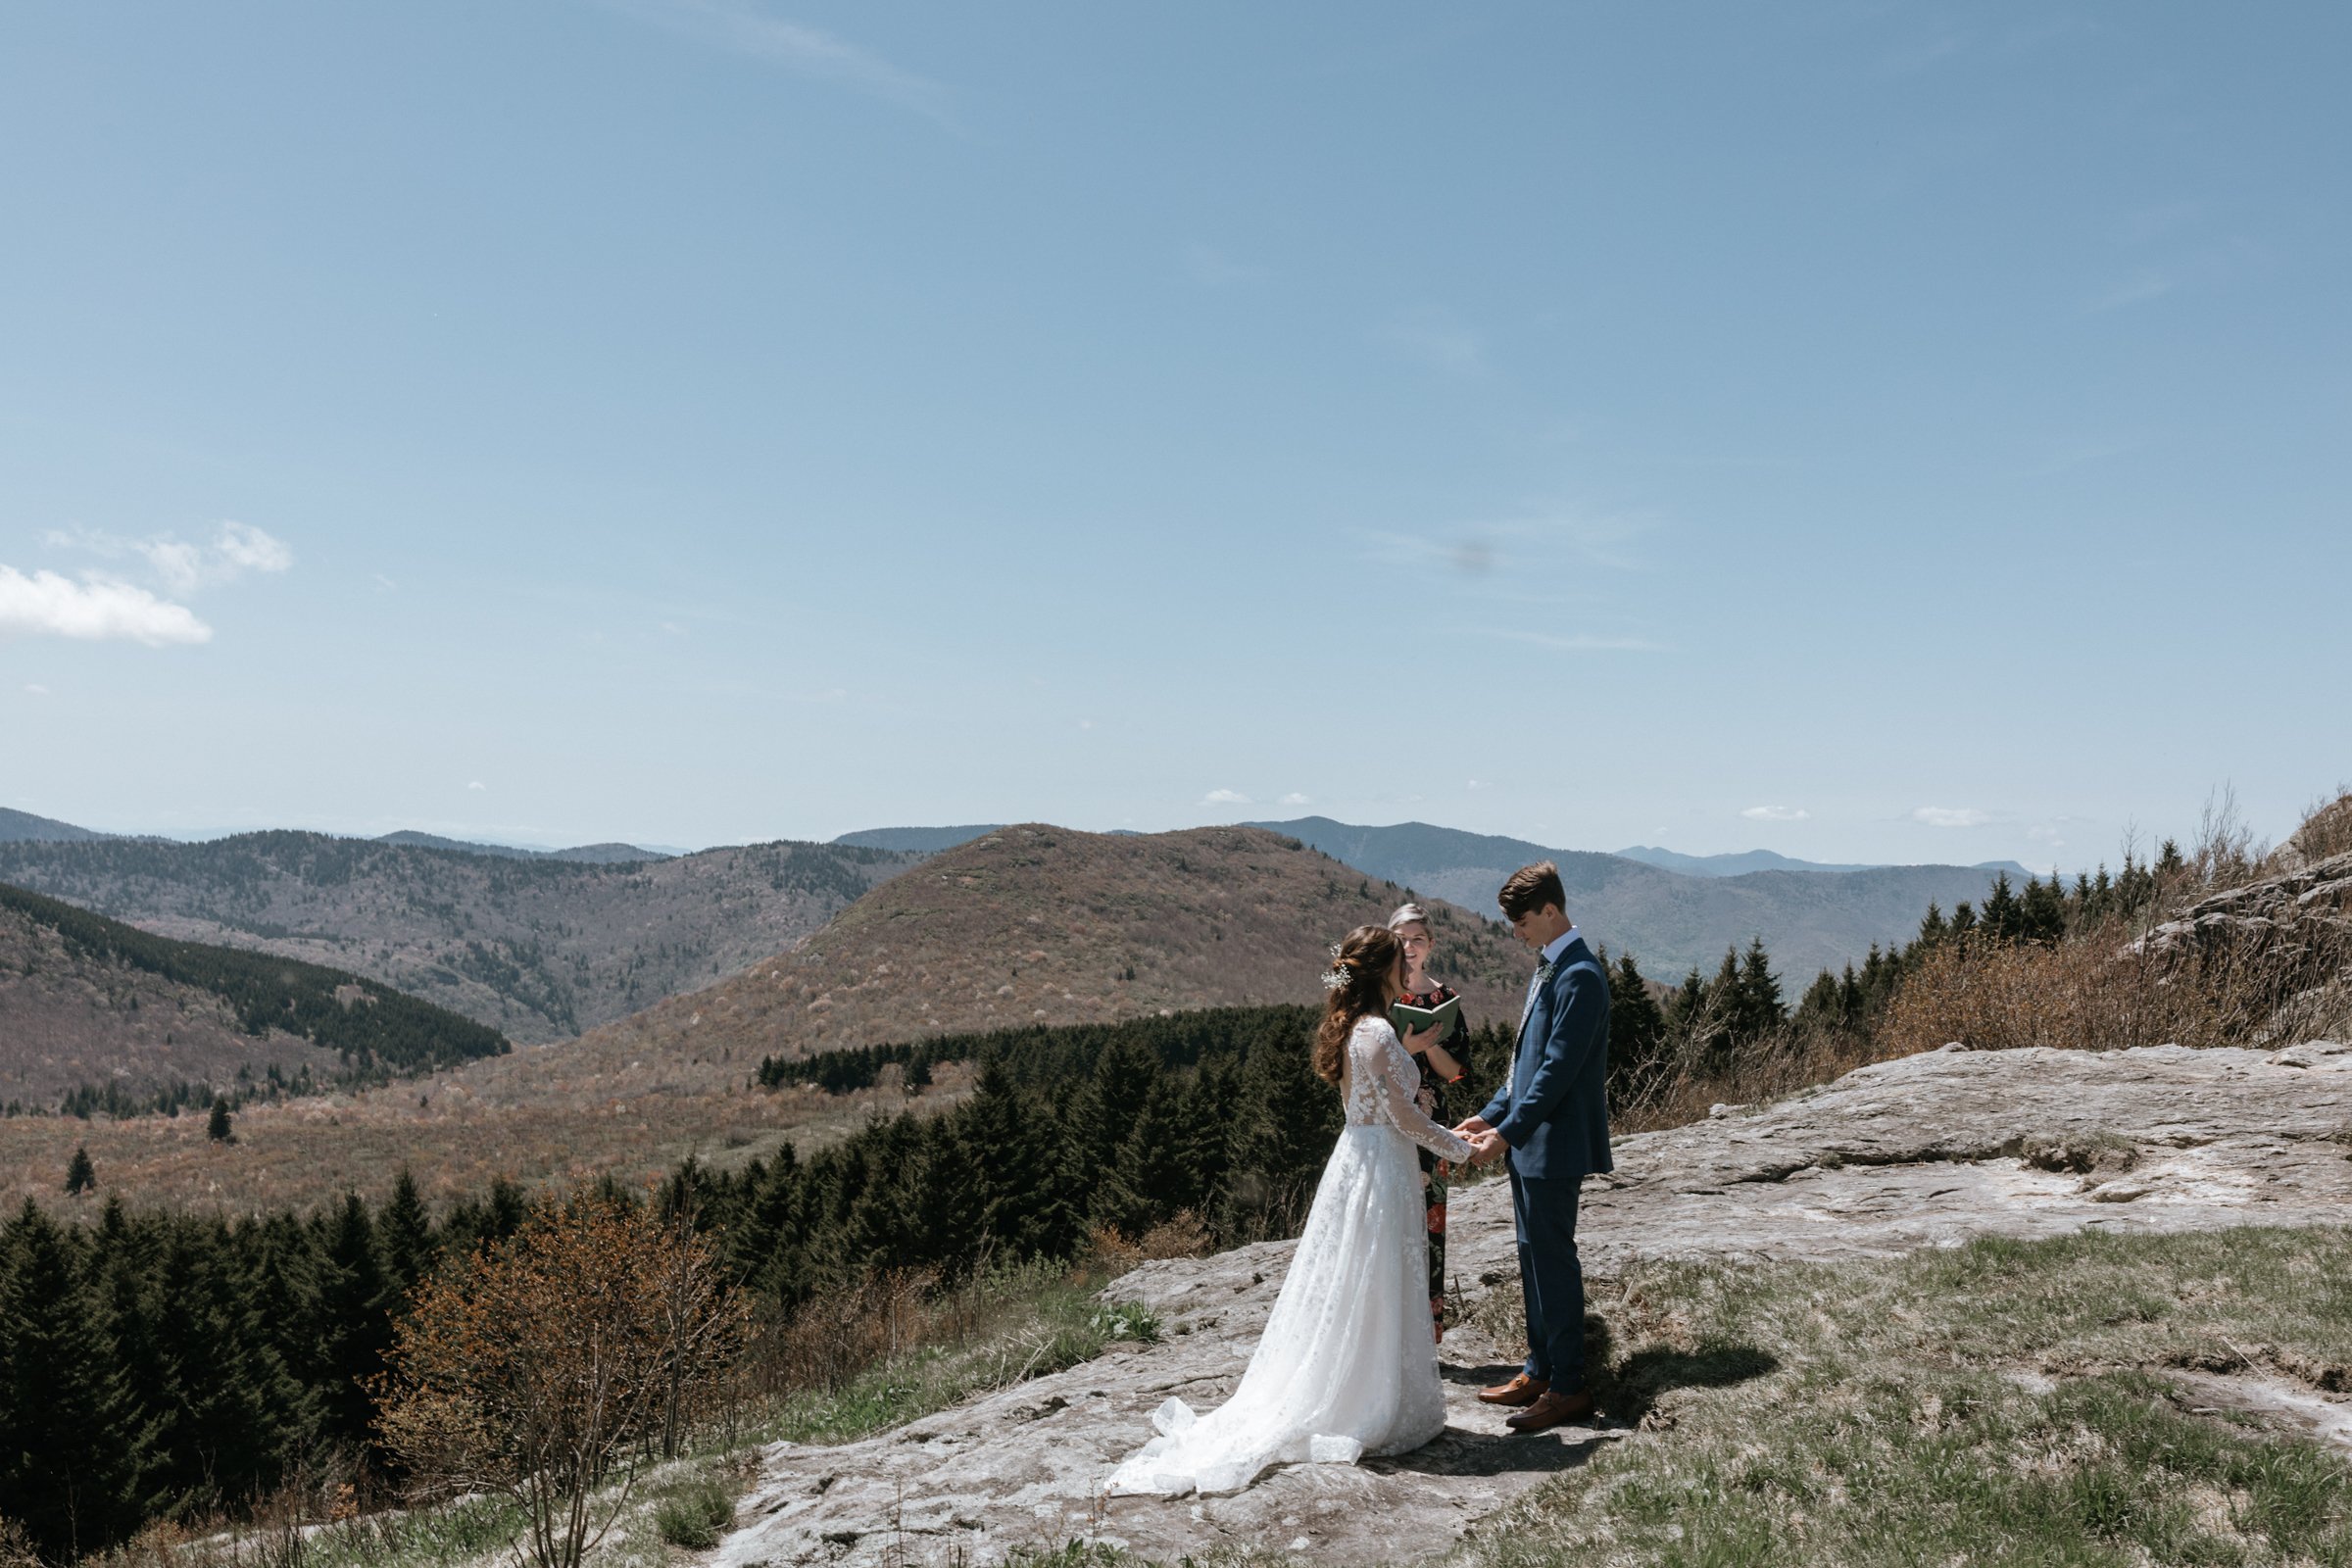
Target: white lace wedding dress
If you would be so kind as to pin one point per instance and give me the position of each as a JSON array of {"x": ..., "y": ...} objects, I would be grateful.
[{"x": 1347, "y": 1364}]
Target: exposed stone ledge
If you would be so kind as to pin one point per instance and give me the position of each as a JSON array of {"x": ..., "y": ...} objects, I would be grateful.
[{"x": 1925, "y": 1152}]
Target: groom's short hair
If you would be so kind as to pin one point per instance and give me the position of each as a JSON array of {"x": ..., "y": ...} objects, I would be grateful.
[{"x": 1530, "y": 888}]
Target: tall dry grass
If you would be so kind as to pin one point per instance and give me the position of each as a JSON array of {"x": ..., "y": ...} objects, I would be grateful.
[{"x": 2218, "y": 955}]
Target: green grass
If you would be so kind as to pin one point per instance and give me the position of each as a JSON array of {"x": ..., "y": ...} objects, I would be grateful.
[
  {"x": 2000, "y": 1402},
  {"x": 694, "y": 1513}
]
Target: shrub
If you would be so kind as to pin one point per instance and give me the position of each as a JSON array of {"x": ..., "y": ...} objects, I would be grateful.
[
  {"x": 695, "y": 1515},
  {"x": 530, "y": 1369}
]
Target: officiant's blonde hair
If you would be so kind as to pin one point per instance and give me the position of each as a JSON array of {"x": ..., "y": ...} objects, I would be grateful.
[
  {"x": 1367, "y": 956},
  {"x": 1407, "y": 915}
]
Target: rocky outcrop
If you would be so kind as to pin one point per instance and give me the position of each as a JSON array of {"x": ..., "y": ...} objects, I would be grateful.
[
  {"x": 2308, "y": 908},
  {"x": 1925, "y": 1152}
]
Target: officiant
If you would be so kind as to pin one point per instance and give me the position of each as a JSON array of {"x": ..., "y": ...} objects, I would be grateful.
[{"x": 1441, "y": 1064}]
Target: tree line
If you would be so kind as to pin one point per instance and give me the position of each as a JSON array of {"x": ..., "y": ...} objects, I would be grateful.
[{"x": 378, "y": 1032}]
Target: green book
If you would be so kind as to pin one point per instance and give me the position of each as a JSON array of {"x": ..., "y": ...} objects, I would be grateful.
[{"x": 1412, "y": 1020}]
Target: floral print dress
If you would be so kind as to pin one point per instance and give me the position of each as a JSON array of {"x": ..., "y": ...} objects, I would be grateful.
[{"x": 1434, "y": 1172}]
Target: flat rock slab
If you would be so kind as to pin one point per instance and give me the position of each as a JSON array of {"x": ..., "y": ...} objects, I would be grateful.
[{"x": 1925, "y": 1152}]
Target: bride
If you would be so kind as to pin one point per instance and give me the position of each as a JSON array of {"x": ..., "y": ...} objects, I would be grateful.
[{"x": 1347, "y": 1364}]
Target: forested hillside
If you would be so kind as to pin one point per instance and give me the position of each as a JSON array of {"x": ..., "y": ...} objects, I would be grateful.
[
  {"x": 538, "y": 949},
  {"x": 1038, "y": 925},
  {"x": 95, "y": 1014}
]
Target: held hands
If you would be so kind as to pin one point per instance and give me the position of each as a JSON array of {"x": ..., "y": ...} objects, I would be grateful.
[{"x": 1486, "y": 1143}]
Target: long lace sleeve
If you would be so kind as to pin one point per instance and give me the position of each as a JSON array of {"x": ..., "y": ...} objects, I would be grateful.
[{"x": 1380, "y": 1062}]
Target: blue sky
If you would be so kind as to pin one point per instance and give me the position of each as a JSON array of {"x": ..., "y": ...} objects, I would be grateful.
[{"x": 1872, "y": 431}]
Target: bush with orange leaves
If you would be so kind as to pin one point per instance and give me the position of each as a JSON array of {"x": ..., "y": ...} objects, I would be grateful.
[{"x": 533, "y": 1367}]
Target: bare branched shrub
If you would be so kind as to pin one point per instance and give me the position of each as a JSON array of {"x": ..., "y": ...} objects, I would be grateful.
[
  {"x": 1180, "y": 1235},
  {"x": 1683, "y": 1086},
  {"x": 2081, "y": 994},
  {"x": 837, "y": 1334},
  {"x": 2326, "y": 833},
  {"x": 529, "y": 1370},
  {"x": 15, "y": 1546},
  {"x": 2226, "y": 854}
]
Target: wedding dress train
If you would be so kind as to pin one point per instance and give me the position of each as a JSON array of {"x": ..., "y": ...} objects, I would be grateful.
[{"x": 1347, "y": 1364}]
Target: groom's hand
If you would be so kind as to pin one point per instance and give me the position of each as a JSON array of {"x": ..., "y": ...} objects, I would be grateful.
[
  {"x": 1472, "y": 1126},
  {"x": 1485, "y": 1147}
]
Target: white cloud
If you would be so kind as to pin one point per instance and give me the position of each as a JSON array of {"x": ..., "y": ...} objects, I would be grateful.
[
  {"x": 184, "y": 567},
  {"x": 1951, "y": 816},
  {"x": 1777, "y": 813},
  {"x": 1224, "y": 798},
  {"x": 36, "y": 688},
  {"x": 745, "y": 29},
  {"x": 95, "y": 608},
  {"x": 1296, "y": 798},
  {"x": 475, "y": 784}
]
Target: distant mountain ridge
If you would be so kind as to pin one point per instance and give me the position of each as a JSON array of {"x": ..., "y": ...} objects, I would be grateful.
[
  {"x": 1671, "y": 921},
  {"x": 92, "y": 1004},
  {"x": 916, "y": 840},
  {"x": 587, "y": 854},
  {"x": 1028, "y": 924},
  {"x": 537, "y": 948},
  {"x": 23, "y": 827},
  {"x": 1744, "y": 861}
]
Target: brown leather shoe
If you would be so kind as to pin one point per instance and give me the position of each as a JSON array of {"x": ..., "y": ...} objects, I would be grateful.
[
  {"x": 1521, "y": 1389},
  {"x": 1551, "y": 1412}
]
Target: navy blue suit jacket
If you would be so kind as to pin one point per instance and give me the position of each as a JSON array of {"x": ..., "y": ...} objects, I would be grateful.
[{"x": 1554, "y": 1112}]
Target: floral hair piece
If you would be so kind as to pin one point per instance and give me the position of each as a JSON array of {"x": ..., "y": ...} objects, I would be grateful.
[{"x": 1338, "y": 974}]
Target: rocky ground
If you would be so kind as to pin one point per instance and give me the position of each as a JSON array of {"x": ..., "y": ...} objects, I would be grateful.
[{"x": 1925, "y": 1152}]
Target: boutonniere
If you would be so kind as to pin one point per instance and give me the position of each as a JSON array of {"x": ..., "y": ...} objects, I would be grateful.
[{"x": 1543, "y": 970}]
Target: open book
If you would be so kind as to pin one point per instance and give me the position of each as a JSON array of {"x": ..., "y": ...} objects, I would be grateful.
[{"x": 1411, "y": 1019}]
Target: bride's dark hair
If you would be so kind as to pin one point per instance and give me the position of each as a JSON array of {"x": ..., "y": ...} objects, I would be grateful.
[{"x": 1367, "y": 957}]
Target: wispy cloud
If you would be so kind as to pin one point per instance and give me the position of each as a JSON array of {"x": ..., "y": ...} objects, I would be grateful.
[
  {"x": 1211, "y": 268},
  {"x": 1777, "y": 813},
  {"x": 1575, "y": 642},
  {"x": 745, "y": 28},
  {"x": 34, "y": 688},
  {"x": 2143, "y": 287},
  {"x": 1224, "y": 798},
  {"x": 1951, "y": 816},
  {"x": 1296, "y": 798},
  {"x": 94, "y": 609},
  {"x": 188, "y": 567},
  {"x": 1438, "y": 341},
  {"x": 1516, "y": 543}
]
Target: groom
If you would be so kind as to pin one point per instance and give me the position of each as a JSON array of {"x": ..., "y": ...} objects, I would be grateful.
[{"x": 1551, "y": 1118}]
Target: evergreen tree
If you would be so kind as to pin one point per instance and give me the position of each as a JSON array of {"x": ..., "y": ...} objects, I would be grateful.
[
  {"x": 81, "y": 1174},
  {"x": 1149, "y": 1180},
  {"x": 405, "y": 1235},
  {"x": 352, "y": 1321},
  {"x": 1636, "y": 1028},
  {"x": 2003, "y": 919},
  {"x": 71, "y": 1452},
  {"x": 2042, "y": 914},
  {"x": 1758, "y": 1010},
  {"x": 217, "y": 1129},
  {"x": 916, "y": 1076}
]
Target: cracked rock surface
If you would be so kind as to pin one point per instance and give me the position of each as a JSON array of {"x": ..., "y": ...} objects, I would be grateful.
[{"x": 1925, "y": 1152}]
